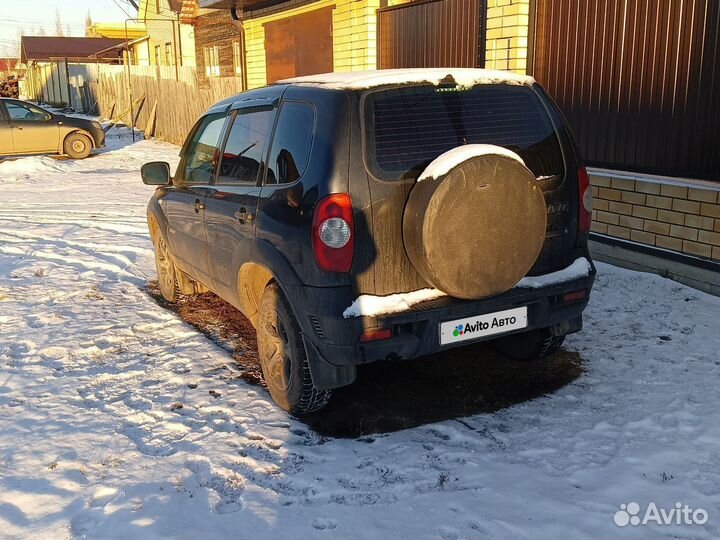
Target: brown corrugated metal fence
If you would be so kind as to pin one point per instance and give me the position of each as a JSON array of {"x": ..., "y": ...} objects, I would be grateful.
[
  {"x": 434, "y": 33},
  {"x": 639, "y": 80}
]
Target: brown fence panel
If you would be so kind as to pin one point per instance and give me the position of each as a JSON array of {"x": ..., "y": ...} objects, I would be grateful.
[
  {"x": 639, "y": 80},
  {"x": 434, "y": 33}
]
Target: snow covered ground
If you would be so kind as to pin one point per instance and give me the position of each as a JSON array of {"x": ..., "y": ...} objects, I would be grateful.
[{"x": 118, "y": 420}]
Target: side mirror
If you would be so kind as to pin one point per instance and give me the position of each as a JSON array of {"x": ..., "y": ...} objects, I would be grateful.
[{"x": 156, "y": 173}]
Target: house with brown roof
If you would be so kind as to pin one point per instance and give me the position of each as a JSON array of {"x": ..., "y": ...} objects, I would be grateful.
[{"x": 44, "y": 49}]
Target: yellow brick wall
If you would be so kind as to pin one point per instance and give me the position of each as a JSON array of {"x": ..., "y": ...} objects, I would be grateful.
[
  {"x": 354, "y": 37},
  {"x": 507, "y": 35},
  {"x": 675, "y": 217}
]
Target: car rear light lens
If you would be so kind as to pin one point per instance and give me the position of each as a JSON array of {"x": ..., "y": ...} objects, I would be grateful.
[
  {"x": 375, "y": 335},
  {"x": 574, "y": 296},
  {"x": 585, "y": 206},
  {"x": 333, "y": 233}
]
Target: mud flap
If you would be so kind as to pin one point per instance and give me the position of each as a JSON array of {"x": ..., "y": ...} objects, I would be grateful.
[
  {"x": 326, "y": 376},
  {"x": 187, "y": 285},
  {"x": 571, "y": 326}
]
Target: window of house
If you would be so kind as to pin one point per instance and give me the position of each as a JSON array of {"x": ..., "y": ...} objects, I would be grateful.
[
  {"x": 169, "y": 59},
  {"x": 291, "y": 146},
  {"x": 158, "y": 56},
  {"x": 212, "y": 61},
  {"x": 242, "y": 158},
  {"x": 199, "y": 160},
  {"x": 237, "y": 58},
  {"x": 26, "y": 113},
  {"x": 158, "y": 6}
]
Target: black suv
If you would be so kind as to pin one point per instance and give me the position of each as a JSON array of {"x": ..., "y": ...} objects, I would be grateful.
[{"x": 379, "y": 215}]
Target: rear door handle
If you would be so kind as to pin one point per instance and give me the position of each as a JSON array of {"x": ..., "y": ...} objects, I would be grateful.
[
  {"x": 243, "y": 215},
  {"x": 199, "y": 206}
]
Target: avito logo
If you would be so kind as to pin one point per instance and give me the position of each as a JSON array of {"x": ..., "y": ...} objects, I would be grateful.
[{"x": 478, "y": 326}]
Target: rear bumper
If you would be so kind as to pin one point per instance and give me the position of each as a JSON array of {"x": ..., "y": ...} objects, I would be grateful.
[{"x": 415, "y": 332}]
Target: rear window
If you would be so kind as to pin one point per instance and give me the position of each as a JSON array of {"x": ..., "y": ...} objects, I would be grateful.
[{"x": 410, "y": 126}]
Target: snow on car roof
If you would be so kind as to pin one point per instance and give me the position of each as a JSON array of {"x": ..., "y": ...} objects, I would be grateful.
[{"x": 360, "y": 80}]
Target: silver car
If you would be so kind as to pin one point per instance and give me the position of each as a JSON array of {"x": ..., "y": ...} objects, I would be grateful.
[{"x": 26, "y": 129}]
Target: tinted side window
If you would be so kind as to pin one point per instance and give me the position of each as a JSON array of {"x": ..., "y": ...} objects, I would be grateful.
[
  {"x": 26, "y": 113},
  {"x": 242, "y": 159},
  {"x": 198, "y": 165},
  {"x": 291, "y": 145}
]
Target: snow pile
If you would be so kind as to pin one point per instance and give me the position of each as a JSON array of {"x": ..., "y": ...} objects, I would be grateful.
[
  {"x": 444, "y": 163},
  {"x": 578, "y": 269},
  {"x": 361, "y": 80},
  {"x": 23, "y": 167},
  {"x": 368, "y": 305}
]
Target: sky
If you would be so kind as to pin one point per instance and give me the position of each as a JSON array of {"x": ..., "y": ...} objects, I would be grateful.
[{"x": 31, "y": 15}]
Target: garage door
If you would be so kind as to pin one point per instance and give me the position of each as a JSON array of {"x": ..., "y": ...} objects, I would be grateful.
[
  {"x": 300, "y": 45},
  {"x": 639, "y": 81}
]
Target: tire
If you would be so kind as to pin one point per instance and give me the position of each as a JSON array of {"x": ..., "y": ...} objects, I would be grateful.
[
  {"x": 166, "y": 271},
  {"x": 282, "y": 356},
  {"x": 77, "y": 146},
  {"x": 476, "y": 230},
  {"x": 533, "y": 345}
]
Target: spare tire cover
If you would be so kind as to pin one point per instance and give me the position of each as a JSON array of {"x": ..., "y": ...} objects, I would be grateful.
[{"x": 478, "y": 229}]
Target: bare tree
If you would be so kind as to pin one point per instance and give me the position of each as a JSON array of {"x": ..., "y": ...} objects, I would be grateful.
[
  {"x": 58, "y": 23},
  {"x": 88, "y": 23}
]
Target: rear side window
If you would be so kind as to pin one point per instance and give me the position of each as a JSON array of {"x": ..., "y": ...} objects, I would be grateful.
[
  {"x": 198, "y": 165},
  {"x": 291, "y": 146},
  {"x": 411, "y": 126},
  {"x": 242, "y": 159}
]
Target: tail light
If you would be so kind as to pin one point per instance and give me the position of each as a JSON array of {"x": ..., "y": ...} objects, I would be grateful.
[
  {"x": 333, "y": 234},
  {"x": 375, "y": 335},
  {"x": 585, "y": 202}
]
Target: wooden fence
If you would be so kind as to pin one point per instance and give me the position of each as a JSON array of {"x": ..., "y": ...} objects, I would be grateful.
[
  {"x": 156, "y": 100},
  {"x": 63, "y": 84},
  {"x": 166, "y": 99}
]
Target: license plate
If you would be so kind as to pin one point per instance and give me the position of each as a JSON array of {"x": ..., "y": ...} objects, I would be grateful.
[{"x": 483, "y": 325}]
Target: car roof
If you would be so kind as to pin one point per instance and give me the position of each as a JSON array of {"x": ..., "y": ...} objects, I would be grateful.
[{"x": 362, "y": 80}]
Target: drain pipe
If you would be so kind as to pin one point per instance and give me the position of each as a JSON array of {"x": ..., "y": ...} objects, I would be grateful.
[{"x": 243, "y": 57}]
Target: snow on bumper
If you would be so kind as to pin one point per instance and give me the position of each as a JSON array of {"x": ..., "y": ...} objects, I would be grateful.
[{"x": 372, "y": 306}]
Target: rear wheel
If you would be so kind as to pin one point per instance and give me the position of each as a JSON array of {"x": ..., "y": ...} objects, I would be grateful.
[
  {"x": 77, "y": 146},
  {"x": 282, "y": 356},
  {"x": 532, "y": 345},
  {"x": 167, "y": 273}
]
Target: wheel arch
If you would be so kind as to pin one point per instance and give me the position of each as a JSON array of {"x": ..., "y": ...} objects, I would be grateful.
[
  {"x": 267, "y": 265},
  {"x": 78, "y": 131},
  {"x": 271, "y": 266},
  {"x": 157, "y": 223}
]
